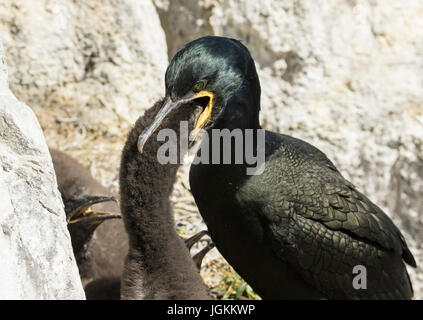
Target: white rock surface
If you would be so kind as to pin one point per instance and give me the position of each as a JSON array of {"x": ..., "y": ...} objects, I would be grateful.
[
  {"x": 105, "y": 60},
  {"x": 36, "y": 257},
  {"x": 87, "y": 69}
]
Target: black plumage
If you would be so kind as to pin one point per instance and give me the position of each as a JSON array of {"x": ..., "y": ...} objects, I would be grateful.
[{"x": 297, "y": 230}]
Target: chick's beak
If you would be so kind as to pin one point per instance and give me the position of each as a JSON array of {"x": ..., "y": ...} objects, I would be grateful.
[
  {"x": 169, "y": 106},
  {"x": 84, "y": 213}
]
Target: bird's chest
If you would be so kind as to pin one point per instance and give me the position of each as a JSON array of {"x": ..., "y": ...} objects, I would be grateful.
[{"x": 232, "y": 223}]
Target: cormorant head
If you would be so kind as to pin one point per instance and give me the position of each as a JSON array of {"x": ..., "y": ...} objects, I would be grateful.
[{"x": 218, "y": 74}]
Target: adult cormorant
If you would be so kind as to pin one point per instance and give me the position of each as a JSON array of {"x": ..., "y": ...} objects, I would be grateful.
[
  {"x": 299, "y": 230},
  {"x": 158, "y": 264}
]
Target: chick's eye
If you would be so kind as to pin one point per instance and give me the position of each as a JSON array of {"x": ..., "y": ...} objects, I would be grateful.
[{"x": 199, "y": 85}]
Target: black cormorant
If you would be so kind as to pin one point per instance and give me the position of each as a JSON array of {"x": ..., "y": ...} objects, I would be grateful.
[
  {"x": 299, "y": 229},
  {"x": 158, "y": 264},
  {"x": 100, "y": 260}
]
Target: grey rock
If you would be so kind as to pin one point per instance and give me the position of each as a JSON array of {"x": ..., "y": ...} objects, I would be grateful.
[{"x": 36, "y": 258}]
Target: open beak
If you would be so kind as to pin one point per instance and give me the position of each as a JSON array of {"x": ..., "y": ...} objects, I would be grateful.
[
  {"x": 84, "y": 212},
  {"x": 168, "y": 107}
]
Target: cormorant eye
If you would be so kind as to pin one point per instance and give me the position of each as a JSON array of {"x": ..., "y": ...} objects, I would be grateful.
[{"x": 199, "y": 85}]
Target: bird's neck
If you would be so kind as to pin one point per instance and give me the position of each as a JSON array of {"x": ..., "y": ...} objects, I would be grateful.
[
  {"x": 239, "y": 135},
  {"x": 145, "y": 184},
  {"x": 158, "y": 264},
  {"x": 240, "y": 114}
]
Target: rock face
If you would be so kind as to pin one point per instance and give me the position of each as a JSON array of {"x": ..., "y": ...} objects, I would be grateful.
[
  {"x": 112, "y": 53},
  {"x": 87, "y": 69},
  {"x": 344, "y": 75},
  {"x": 35, "y": 251}
]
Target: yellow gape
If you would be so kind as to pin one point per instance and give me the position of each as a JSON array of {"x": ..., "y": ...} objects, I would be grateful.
[{"x": 205, "y": 115}]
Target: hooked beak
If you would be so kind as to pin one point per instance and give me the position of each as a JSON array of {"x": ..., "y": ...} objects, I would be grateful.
[{"x": 168, "y": 107}]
